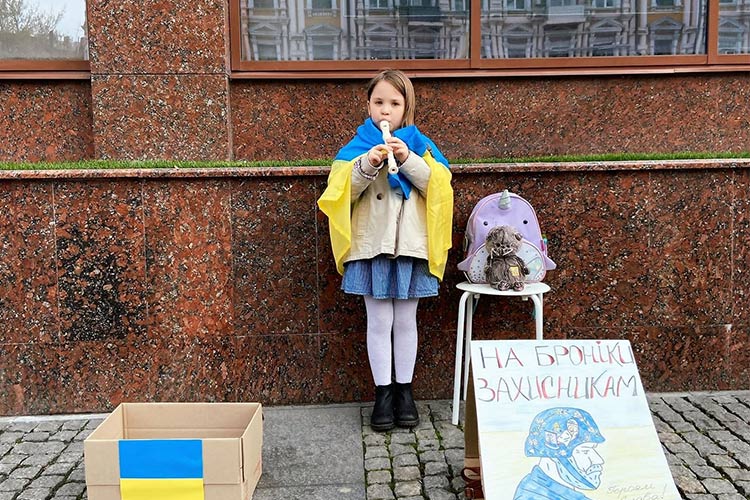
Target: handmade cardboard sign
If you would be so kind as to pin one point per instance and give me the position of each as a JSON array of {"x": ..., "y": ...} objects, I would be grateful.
[{"x": 564, "y": 419}]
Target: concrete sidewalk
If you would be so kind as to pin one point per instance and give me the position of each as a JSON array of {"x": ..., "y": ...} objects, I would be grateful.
[{"x": 329, "y": 452}]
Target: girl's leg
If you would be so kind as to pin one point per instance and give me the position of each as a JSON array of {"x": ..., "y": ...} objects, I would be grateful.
[
  {"x": 405, "y": 338},
  {"x": 404, "y": 358},
  {"x": 379, "y": 327}
]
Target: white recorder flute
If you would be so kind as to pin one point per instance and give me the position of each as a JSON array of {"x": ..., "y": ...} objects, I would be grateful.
[{"x": 385, "y": 127}]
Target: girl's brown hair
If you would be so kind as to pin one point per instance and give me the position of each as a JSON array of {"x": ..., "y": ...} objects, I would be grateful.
[{"x": 401, "y": 83}]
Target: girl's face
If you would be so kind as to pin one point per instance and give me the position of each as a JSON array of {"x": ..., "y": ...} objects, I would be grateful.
[{"x": 386, "y": 103}]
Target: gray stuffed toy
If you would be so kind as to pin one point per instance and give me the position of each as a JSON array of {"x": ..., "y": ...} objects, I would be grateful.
[{"x": 504, "y": 270}]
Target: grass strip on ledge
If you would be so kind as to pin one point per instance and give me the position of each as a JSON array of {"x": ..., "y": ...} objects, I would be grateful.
[
  {"x": 155, "y": 164},
  {"x": 129, "y": 164}
]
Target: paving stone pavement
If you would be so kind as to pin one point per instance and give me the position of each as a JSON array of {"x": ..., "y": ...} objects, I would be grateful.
[{"x": 705, "y": 436}]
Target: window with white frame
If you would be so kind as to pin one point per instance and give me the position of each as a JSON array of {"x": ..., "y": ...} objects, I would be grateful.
[
  {"x": 606, "y": 4},
  {"x": 604, "y": 39},
  {"x": 518, "y": 42},
  {"x": 460, "y": 5},
  {"x": 380, "y": 43},
  {"x": 521, "y": 5},
  {"x": 664, "y": 36},
  {"x": 322, "y": 43},
  {"x": 262, "y": 4},
  {"x": 665, "y": 4},
  {"x": 560, "y": 41},
  {"x": 733, "y": 36}
]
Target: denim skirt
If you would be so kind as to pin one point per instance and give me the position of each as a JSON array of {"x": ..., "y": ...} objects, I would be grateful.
[{"x": 386, "y": 278}]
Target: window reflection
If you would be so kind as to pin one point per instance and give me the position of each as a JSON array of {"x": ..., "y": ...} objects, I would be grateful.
[
  {"x": 43, "y": 29},
  {"x": 734, "y": 26},
  {"x": 593, "y": 28},
  {"x": 307, "y": 30}
]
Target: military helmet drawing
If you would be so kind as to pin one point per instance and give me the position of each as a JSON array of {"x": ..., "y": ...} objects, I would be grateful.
[{"x": 556, "y": 432}]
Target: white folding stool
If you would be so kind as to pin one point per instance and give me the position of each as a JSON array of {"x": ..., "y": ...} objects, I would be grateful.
[{"x": 472, "y": 292}]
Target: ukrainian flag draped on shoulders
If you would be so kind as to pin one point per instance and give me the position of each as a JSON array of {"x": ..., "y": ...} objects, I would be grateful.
[{"x": 335, "y": 201}]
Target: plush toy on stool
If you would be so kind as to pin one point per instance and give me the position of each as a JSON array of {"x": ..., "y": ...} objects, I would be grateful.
[{"x": 504, "y": 270}]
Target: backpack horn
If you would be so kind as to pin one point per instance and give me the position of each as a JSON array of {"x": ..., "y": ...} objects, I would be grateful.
[{"x": 504, "y": 201}]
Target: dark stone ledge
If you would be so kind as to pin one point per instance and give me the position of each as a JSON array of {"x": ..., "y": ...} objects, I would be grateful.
[{"x": 480, "y": 168}]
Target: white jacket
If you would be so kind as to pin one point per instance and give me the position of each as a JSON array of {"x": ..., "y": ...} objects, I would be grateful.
[{"x": 383, "y": 222}]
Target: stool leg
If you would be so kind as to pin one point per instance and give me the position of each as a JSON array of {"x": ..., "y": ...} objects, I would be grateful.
[
  {"x": 467, "y": 341},
  {"x": 538, "y": 314},
  {"x": 459, "y": 354}
]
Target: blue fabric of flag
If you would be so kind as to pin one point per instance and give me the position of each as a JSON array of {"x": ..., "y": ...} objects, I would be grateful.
[
  {"x": 161, "y": 458},
  {"x": 369, "y": 135}
]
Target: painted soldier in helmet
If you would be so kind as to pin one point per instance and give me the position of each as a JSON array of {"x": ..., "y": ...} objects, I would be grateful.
[{"x": 565, "y": 440}]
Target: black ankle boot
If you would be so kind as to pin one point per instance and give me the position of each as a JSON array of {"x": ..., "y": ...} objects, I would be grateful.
[
  {"x": 403, "y": 406},
  {"x": 382, "y": 412}
]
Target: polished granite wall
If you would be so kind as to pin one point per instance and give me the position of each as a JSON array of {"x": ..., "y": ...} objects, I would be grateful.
[
  {"x": 45, "y": 121},
  {"x": 205, "y": 116},
  {"x": 160, "y": 79},
  {"x": 505, "y": 117},
  {"x": 218, "y": 285}
]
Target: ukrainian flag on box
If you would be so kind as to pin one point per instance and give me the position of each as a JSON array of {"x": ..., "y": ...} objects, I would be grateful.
[{"x": 161, "y": 469}]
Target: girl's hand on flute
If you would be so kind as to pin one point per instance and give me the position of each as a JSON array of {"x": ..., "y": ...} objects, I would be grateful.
[
  {"x": 377, "y": 154},
  {"x": 399, "y": 148}
]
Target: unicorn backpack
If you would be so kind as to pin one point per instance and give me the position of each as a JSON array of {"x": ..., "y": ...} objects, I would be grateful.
[{"x": 501, "y": 209}]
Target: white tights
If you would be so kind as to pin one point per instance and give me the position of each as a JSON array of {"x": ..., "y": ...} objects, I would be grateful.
[{"x": 386, "y": 316}]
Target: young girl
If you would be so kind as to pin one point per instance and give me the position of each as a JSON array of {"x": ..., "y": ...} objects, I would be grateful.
[{"x": 390, "y": 234}]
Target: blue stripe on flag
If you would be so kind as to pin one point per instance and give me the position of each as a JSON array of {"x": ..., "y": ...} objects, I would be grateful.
[{"x": 161, "y": 458}]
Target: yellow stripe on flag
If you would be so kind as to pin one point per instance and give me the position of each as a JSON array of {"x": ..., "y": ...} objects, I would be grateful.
[{"x": 161, "y": 489}]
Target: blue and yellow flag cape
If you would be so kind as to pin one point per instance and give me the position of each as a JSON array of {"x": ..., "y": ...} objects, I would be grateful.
[{"x": 335, "y": 201}]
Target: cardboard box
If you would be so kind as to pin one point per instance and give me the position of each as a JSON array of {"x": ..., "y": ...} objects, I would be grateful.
[{"x": 228, "y": 435}]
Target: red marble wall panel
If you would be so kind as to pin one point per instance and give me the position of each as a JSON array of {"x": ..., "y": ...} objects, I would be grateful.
[
  {"x": 598, "y": 229},
  {"x": 28, "y": 283},
  {"x": 508, "y": 117},
  {"x": 178, "y": 107},
  {"x": 738, "y": 357},
  {"x": 271, "y": 369},
  {"x": 274, "y": 120},
  {"x": 151, "y": 117},
  {"x": 45, "y": 121},
  {"x": 279, "y": 369},
  {"x": 653, "y": 245},
  {"x": 221, "y": 286},
  {"x": 157, "y": 37},
  {"x": 345, "y": 372},
  {"x": 741, "y": 248},
  {"x": 690, "y": 245},
  {"x": 100, "y": 260},
  {"x": 29, "y": 379},
  {"x": 188, "y": 238},
  {"x": 275, "y": 255}
]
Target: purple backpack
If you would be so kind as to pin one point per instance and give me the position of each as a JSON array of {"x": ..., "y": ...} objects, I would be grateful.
[{"x": 504, "y": 209}]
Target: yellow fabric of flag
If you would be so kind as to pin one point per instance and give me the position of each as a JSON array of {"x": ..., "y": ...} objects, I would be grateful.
[
  {"x": 439, "y": 216},
  {"x": 161, "y": 489},
  {"x": 336, "y": 204}
]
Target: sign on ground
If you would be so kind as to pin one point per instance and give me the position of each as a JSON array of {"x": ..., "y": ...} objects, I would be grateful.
[{"x": 564, "y": 419}]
